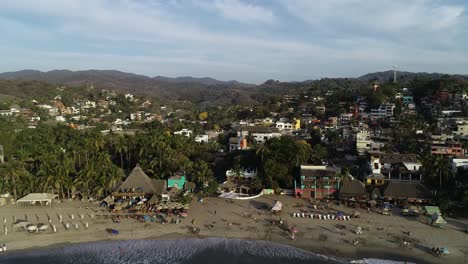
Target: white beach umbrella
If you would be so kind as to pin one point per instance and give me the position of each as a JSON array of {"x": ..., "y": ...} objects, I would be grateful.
[
  {"x": 31, "y": 228},
  {"x": 43, "y": 227}
]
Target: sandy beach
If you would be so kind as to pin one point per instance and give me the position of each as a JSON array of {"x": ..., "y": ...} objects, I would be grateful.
[{"x": 381, "y": 238}]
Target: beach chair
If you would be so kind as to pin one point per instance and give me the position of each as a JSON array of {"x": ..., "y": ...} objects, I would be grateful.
[
  {"x": 303, "y": 215},
  {"x": 320, "y": 216}
]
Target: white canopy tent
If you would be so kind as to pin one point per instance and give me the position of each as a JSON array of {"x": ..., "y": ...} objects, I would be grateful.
[
  {"x": 40, "y": 198},
  {"x": 277, "y": 207}
]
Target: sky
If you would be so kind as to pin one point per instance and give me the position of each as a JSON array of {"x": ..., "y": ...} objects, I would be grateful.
[{"x": 245, "y": 40}]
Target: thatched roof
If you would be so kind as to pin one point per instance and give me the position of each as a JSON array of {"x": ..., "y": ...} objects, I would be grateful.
[
  {"x": 154, "y": 199},
  {"x": 353, "y": 187},
  {"x": 412, "y": 190},
  {"x": 174, "y": 191},
  {"x": 139, "y": 181},
  {"x": 160, "y": 186}
]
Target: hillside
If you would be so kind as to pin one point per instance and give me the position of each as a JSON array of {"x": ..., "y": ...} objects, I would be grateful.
[
  {"x": 206, "y": 90},
  {"x": 405, "y": 77},
  {"x": 197, "y": 90}
]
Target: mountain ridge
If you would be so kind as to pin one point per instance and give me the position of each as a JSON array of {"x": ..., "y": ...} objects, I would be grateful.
[{"x": 208, "y": 90}]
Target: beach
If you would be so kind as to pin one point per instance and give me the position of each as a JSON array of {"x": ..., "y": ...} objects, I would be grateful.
[{"x": 247, "y": 219}]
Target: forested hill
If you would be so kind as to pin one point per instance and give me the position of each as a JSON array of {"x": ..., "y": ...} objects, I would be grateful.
[
  {"x": 197, "y": 90},
  {"x": 208, "y": 90},
  {"x": 406, "y": 77}
]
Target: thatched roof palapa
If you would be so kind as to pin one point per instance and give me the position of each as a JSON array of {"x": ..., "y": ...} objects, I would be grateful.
[
  {"x": 139, "y": 181},
  {"x": 410, "y": 190},
  {"x": 353, "y": 188}
]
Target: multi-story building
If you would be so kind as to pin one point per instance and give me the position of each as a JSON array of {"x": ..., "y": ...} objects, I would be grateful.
[
  {"x": 345, "y": 119},
  {"x": 384, "y": 111},
  {"x": 448, "y": 148},
  {"x": 363, "y": 142},
  {"x": 259, "y": 133},
  {"x": 402, "y": 167},
  {"x": 316, "y": 182},
  {"x": 460, "y": 129},
  {"x": 294, "y": 125},
  {"x": 237, "y": 143}
]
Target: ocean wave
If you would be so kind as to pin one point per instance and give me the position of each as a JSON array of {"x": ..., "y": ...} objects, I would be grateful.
[{"x": 206, "y": 251}]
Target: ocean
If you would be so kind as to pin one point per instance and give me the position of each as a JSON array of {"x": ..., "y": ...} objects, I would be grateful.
[{"x": 181, "y": 251}]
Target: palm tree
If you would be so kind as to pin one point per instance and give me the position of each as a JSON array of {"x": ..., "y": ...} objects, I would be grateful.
[
  {"x": 202, "y": 173},
  {"x": 84, "y": 180},
  {"x": 120, "y": 148},
  {"x": 318, "y": 153},
  {"x": 261, "y": 150},
  {"x": 441, "y": 165},
  {"x": 13, "y": 170}
]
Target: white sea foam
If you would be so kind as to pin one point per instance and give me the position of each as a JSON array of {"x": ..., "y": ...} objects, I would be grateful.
[{"x": 166, "y": 251}]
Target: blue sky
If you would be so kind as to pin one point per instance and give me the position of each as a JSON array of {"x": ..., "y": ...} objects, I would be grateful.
[{"x": 246, "y": 40}]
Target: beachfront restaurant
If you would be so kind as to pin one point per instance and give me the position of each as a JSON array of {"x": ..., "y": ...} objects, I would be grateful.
[
  {"x": 137, "y": 185},
  {"x": 37, "y": 199},
  {"x": 353, "y": 191},
  {"x": 411, "y": 192}
]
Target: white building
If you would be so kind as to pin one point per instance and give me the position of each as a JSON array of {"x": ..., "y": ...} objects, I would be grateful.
[
  {"x": 259, "y": 133},
  {"x": 184, "y": 132},
  {"x": 6, "y": 113},
  {"x": 363, "y": 141},
  {"x": 89, "y": 104},
  {"x": 460, "y": 129},
  {"x": 15, "y": 109},
  {"x": 284, "y": 126},
  {"x": 245, "y": 174},
  {"x": 201, "y": 138},
  {"x": 60, "y": 118},
  {"x": 459, "y": 162}
]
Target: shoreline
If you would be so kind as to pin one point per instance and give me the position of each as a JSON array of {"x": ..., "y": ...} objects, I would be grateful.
[{"x": 360, "y": 254}]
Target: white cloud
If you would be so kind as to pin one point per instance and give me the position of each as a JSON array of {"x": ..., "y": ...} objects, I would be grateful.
[
  {"x": 385, "y": 15},
  {"x": 158, "y": 38},
  {"x": 244, "y": 12}
]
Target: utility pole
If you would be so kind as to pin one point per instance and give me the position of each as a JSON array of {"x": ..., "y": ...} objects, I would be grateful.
[{"x": 394, "y": 73}]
